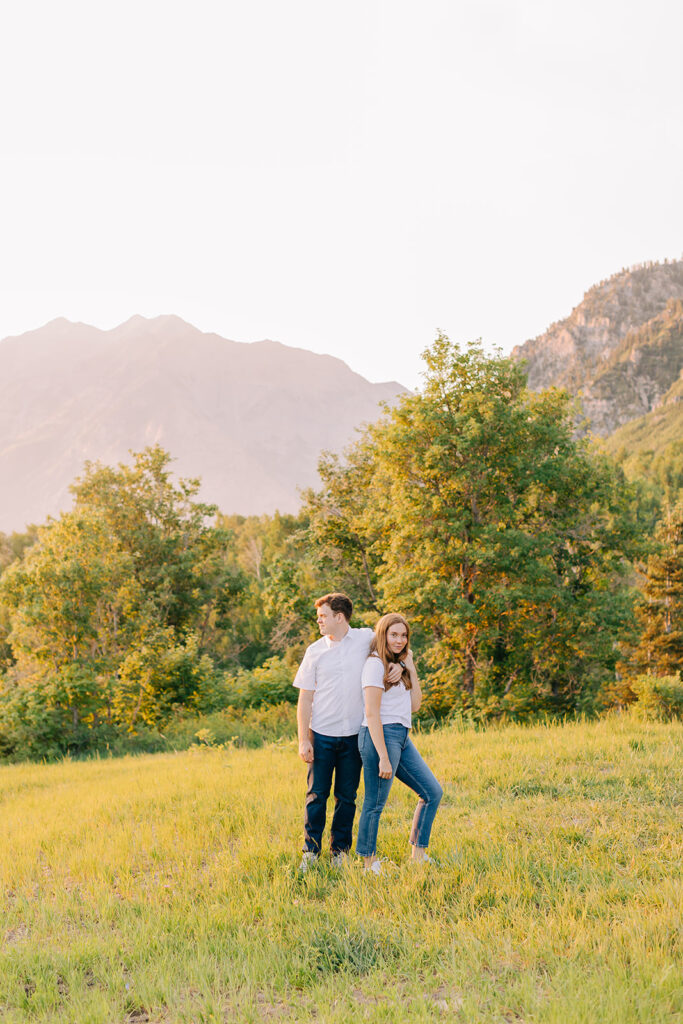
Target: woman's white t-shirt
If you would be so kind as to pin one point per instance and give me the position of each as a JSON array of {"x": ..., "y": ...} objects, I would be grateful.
[{"x": 395, "y": 706}]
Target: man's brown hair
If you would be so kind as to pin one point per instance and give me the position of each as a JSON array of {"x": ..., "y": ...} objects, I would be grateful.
[{"x": 338, "y": 603}]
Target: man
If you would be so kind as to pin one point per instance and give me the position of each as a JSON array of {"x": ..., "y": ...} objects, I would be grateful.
[{"x": 329, "y": 717}]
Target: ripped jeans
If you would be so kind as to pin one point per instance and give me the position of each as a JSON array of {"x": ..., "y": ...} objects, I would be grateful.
[{"x": 408, "y": 767}]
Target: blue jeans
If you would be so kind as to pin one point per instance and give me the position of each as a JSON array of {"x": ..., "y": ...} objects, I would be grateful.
[
  {"x": 408, "y": 767},
  {"x": 338, "y": 756}
]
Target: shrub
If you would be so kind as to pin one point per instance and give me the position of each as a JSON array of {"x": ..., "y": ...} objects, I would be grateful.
[
  {"x": 658, "y": 698},
  {"x": 270, "y": 683},
  {"x": 245, "y": 727}
]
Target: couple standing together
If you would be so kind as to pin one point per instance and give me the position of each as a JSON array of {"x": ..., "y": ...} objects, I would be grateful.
[{"x": 357, "y": 692}]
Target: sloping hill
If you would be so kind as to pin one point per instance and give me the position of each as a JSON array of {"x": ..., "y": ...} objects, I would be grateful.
[
  {"x": 249, "y": 419},
  {"x": 620, "y": 350},
  {"x": 652, "y": 445},
  {"x": 638, "y": 376}
]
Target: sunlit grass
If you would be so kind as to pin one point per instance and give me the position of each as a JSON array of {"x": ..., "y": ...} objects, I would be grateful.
[{"x": 165, "y": 888}]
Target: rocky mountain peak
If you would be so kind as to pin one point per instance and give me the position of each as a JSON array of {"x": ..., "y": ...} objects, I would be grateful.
[{"x": 620, "y": 349}]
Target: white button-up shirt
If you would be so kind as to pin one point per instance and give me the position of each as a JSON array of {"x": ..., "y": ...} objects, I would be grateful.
[{"x": 333, "y": 669}]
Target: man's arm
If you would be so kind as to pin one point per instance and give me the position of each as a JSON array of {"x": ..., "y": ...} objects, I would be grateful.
[{"x": 304, "y": 708}]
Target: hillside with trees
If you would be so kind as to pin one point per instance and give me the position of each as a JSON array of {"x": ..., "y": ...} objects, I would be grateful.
[
  {"x": 651, "y": 447},
  {"x": 540, "y": 565},
  {"x": 620, "y": 355}
]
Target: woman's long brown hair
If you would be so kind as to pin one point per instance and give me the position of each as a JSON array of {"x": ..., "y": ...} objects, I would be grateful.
[{"x": 379, "y": 646}]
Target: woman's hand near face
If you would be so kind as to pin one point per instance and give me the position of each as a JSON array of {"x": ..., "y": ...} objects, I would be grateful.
[
  {"x": 407, "y": 660},
  {"x": 394, "y": 674}
]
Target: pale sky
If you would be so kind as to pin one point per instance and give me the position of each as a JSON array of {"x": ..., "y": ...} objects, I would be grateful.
[{"x": 345, "y": 177}]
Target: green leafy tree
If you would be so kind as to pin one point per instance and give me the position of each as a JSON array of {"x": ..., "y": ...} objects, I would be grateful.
[
  {"x": 73, "y": 601},
  {"x": 12, "y": 547},
  {"x": 340, "y": 533},
  {"x": 269, "y": 584},
  {"x": 109, "y": 608},
  {"x": 175, "y": 548},
  {"x": 501, "y": 535}
]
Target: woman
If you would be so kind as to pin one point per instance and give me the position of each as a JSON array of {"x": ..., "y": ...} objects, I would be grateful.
[{"x": 385, "y": 745}]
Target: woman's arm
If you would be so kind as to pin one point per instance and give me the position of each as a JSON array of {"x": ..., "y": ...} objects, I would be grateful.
[
  {"x": 373, "y": 701},
  {"x": 415, "y": 688}
]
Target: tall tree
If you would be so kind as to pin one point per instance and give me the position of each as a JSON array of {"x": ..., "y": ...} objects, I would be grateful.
[
  {"x": 339, "y": 534},
  {"x": 169, "y": 533},
  {"x": 12, "y": 547},
  {"x": 107, "y": 608},
  {"x": 258, "y": 611},
  {"x": 499, "y": 533},
  {"x": 659, "y": 650},
  {"x": 72, "y": 601}
]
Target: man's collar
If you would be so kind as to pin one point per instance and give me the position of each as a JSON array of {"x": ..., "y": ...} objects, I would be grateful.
[{"x": 335, "y": 643}]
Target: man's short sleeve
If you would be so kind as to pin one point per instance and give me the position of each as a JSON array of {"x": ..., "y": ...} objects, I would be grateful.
[
  {"x": 305, "y": 676},
  {"x": 373, "y": 673}
]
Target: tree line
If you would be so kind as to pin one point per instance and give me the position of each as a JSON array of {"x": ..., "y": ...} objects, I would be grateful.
[{"x": 537, "y": 579}]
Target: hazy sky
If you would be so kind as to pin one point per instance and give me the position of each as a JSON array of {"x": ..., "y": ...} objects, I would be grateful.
[{"x": 343, "y": 177}]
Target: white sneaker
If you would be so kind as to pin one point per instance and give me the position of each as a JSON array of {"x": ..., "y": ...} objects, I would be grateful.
[
  {"x": 338, "y": 860},
  {"x": 309, "y": 857},
  {"x": 423, "y": 860},
  {"x": 374, "y": 869}
]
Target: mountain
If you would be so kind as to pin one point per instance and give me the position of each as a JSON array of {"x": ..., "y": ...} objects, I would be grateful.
[
  {"x": 620, "y": 350},
  {"x": 652, "y": 445},
  {"x": 249, "y": 419}
]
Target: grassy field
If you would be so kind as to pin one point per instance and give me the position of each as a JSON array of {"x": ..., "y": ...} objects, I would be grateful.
[{"x": 165, "y": 888}]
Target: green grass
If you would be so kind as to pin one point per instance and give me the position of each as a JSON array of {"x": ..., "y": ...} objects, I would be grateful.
[{"x": 165, "y": 888}]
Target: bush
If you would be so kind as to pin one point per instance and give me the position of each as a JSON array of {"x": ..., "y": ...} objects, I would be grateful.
[
  {"x": 657, "y": 698},
  {"x": 268, "y": 684},
  {"x": 43, "y": 738},
  {"x": 245, "y": 727},
  {"x": 36, "y": 722},
  {"x": 522, "y": 700},
  {"x": 252, "y": 707}
]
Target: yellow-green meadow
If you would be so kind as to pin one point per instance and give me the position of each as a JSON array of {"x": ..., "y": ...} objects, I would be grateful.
[{"x": 165, "y": 888}]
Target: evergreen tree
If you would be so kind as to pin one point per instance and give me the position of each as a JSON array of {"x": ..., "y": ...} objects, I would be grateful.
[{"x": 659, "y": 651}]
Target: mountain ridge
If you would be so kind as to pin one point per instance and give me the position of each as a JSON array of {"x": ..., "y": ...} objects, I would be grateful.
[
  {"x": 249, "y": 418},
  {"x": 620, "y": 349}
]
